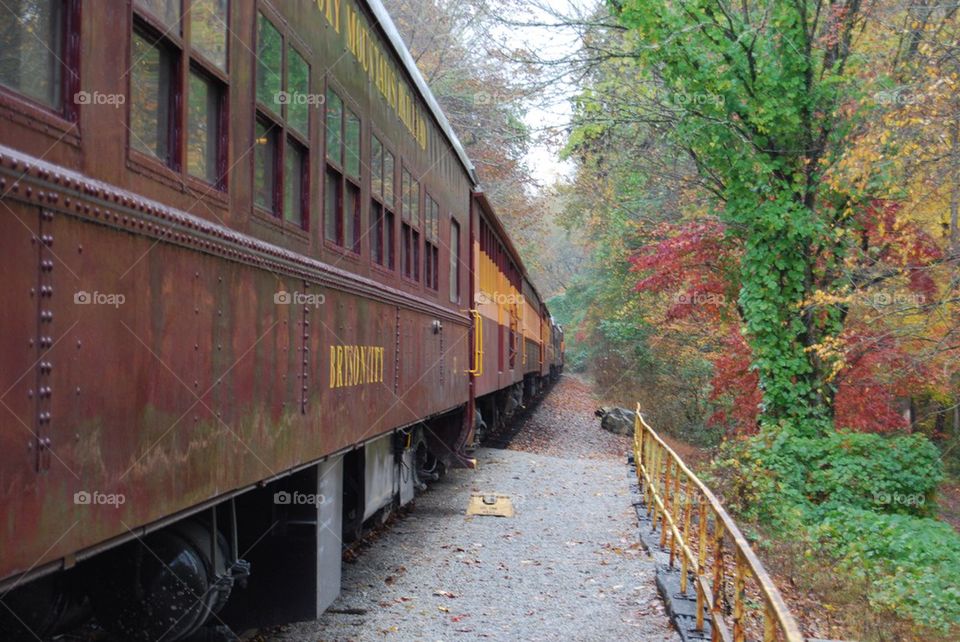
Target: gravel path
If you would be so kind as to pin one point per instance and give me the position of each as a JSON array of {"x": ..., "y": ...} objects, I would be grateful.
[{"x": 566, "y": 567}]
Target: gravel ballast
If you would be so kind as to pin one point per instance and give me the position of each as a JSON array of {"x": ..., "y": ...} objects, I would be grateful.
[{"x": 567, "y": 566}]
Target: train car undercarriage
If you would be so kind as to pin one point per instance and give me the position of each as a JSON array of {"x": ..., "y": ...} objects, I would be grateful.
[{"x": 266, "y": 555}]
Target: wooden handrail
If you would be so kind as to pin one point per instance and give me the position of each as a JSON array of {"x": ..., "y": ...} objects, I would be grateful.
[{"x": 660, "y": 473}]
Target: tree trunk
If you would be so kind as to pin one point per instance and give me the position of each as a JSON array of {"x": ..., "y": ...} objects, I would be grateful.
[{"x": 955, "y": 184}]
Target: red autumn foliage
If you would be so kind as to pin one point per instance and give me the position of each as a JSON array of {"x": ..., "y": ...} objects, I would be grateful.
[
  {"x": 735, "y": 387},
  {"x": 692, "y": 262},
  {"x": 697, "y": 264},
  {"x": 877, "y": 372},
  {"x": 900, "y": 244}
]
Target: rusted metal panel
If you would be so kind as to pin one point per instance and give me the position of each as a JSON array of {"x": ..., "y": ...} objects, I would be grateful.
[
  {"x": 20, "y": 485},
  {"x": 359, "y": 358},
  {"x": 183, "y": 376}
]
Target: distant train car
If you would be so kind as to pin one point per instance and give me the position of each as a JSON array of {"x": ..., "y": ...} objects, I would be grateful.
[
  {"x": 513, "y": 326},
  {"x": 255, "y": 300}
]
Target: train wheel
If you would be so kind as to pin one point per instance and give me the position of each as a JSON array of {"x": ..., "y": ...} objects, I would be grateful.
[
  {"x": 40, "y": 608},
  {"x": 165, "y": 587}
]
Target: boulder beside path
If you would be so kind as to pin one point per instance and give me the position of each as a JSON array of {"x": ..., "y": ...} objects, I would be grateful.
[{"x": 619, "y": 421}]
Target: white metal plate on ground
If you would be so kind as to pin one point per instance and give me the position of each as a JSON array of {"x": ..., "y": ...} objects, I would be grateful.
[{"x": 490, "y": 504}]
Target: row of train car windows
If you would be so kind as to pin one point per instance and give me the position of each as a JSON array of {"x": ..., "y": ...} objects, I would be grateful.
[
  {"x": 493, "y": 248},
  {"x": 33, "y": 36}
]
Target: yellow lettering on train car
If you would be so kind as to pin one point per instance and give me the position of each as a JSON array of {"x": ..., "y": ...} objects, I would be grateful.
[
  {"x": 331, "y": 11},
  {"x": 362, "y": 44},
  {"x": 355, "y": 365}
]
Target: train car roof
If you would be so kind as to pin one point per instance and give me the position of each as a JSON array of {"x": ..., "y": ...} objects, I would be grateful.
[{"x": 396, "y": 42}]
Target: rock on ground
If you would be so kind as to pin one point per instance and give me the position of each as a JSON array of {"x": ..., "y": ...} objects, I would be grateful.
[
  {"x": 568, "y": 566},
  {"x": 619, "y": 421}
]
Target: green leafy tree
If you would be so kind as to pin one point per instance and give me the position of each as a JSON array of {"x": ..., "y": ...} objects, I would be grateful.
[{"x": 754, "y": 91}]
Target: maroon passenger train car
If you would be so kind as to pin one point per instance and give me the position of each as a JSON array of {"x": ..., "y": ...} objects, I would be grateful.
[{"x": 254, "y": 299}]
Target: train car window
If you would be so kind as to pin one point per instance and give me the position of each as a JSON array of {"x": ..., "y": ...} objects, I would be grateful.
[
  {"x": 389, "y": 184},
  {"x": 390, "y": 202},
  {"x": 351, "y": 154},
  {"x": 166, "y": 11},
  {"x": 416, "y": 255},
  {"x": 203, "y": 127},
  {"x": 351, "y": 135},
  {"x": 431, "y": 252},
  {"x": 389, "y": 240},
  {"x": 351, "y": 216},
  {"x": 152, "y": 77},
  {"x": 269, "y": 63},
  {"x": 283, "y": 107},
  {"x": 334, "y": 127},
  {"x": 31, "y": 48},
  {"x": 411, "y": 199},
  {"x": 410, "y": 235},
  {"x": 383, "y": 199},
  {"x": 427, "y": 254},
  {"x": 168, "y": 69},
  {"x": 294, "y": 177},
  {"x": 265, "y": 166},
  {"x": 333, "y": 196},
  {"x": 298, "y": 91},
  {"x": 430, "y": 205},
  {"x": 454, "y": 261},
  {"x": 208, "y": 31},
  {"x": 376, "y": 166},
  {"x": 376, "y": 232},
  {"x": 342, "y": 213},
  {"x": 428, "y": 266}
]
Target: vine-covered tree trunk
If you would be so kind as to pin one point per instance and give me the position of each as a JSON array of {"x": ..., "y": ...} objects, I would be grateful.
[{"x": 754, "y": 90}]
